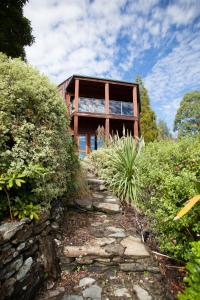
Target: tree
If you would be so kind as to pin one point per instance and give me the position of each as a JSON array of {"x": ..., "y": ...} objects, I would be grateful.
[
  {"x": 34, "y": 130},
  {"x": 148, "y": 124},
  {"x": 15, "y": 29},
  {"x": 187, "y": 120},
  {"x": 163, "y": 130}
]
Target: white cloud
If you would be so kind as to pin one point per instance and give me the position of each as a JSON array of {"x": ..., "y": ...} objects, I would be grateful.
[
  {"x": 174, "y": 75},
  {"x": 175, "y": 72},
  {"x": 183, "y": 11},
  {"x": 107, "y": 38},
  {"x": 76, "y": 36}
]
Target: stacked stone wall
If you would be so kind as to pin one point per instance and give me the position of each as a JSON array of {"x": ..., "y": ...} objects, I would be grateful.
[{"x": 28, "y": 254}]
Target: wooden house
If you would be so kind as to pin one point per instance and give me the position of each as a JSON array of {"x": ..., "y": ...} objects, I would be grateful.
[{"x": 100, "y": 107}]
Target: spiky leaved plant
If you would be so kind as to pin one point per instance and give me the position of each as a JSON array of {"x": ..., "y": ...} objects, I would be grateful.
[{"x": 121, "y": 173}]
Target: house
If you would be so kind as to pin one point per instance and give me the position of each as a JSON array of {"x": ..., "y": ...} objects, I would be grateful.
[{"x": 99, "y": 107}]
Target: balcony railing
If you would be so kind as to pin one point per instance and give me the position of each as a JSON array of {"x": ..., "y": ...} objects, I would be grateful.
[
  {"x": 92, "y": 105},
  {"x": 121, "y": 108}
]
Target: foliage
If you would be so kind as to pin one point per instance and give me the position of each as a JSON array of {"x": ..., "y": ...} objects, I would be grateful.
[
  {"x": 12, "y": 181},
  {"x": 148, "y": 126},
  {"x": 34, "y": 131},
  {"x": 7, "y": 182},
  {"x": 81, "y": 188},
  {"x": 192, "y": 291},
  {"x": 163, "y": 130},
  {"x": 187, "y": 120},
  {"x": 168, "y": 174},
  {"x": 22, "y": 210},
  {"x": 15, "y": 29},
  {"x": 116, "y": 165},
  {"x": 187, "y": 207}
]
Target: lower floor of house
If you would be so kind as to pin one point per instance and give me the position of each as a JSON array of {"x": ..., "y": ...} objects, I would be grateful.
[
  {"x": 91, "y": 132},
  {"x": 88, "y": 142}
]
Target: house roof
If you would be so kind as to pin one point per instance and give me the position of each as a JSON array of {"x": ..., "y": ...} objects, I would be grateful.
[{"x": 69, "y": 79}]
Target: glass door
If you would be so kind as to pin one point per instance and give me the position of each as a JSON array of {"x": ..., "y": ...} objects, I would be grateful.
[
  {"x": 95, "y": 142},
  {"x": 82, "y": 145},
  {"x": 92, "y": 142},
  {"x": 87, "y": 143}
]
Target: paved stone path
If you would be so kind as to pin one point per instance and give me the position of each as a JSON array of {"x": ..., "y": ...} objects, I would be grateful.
[{"x": 103, "y": 259}]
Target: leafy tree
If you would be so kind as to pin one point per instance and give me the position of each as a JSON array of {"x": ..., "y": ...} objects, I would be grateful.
[
  {"x": 163, "y": 130},
  {"x": 187, "y": 120},
  {"x": 148, "y": 124},
  {"x": 33, "y": 131},
  {"x": 15, "y": 29}
]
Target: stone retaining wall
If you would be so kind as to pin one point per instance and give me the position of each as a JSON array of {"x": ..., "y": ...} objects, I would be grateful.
[{"x": 28, "y": 254}]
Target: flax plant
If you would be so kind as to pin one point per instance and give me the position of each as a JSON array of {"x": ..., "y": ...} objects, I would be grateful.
[{"x": 121, "y": 174}]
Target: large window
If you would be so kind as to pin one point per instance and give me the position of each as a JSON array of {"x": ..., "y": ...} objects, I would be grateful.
[
  {"x": 88, "y": 142},
  {"x": 121, "y": 108},
  {"x": 91, "y": 105},
  {"x": 82, "y": 145}
]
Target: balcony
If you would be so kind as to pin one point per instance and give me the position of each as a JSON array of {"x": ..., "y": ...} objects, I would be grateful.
[
  {"x": 91, "y": 105},
  {"x": 94, "y": 105},
  {"x": 121, "y": 108}
]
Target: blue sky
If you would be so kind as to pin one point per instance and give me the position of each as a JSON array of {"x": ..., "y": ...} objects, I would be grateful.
[{"x": 160, "y": 40}]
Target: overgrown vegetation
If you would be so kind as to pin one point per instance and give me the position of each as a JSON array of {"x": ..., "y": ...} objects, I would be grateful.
[
  {"x": 116, "y": 163},
  {"x": 159, "y": 180},
  {"x": 169, "y": 172},
  {"x": 10, "y": 183},
  {"x": 37, "y": 160},
  {"x": 192, "y": 290}
]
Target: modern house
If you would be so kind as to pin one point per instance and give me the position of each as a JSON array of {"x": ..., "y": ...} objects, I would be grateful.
[{"x": 100, "y": 106}]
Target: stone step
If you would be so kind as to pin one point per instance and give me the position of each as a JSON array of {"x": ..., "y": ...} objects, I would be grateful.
[
  {"x": 96, "y": 184},
  {"x": 129, "y": 247},
  {"x": 105, "y": 203}
]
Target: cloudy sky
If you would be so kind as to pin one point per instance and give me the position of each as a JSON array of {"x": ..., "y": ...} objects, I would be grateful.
[{"x": 160, "y": 40}]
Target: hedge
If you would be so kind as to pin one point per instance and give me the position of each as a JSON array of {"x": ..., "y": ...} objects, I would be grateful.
[{"x": 34, "y": 131}]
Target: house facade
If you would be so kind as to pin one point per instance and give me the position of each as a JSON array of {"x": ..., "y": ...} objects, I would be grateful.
[{"x": 99, "y": 107}]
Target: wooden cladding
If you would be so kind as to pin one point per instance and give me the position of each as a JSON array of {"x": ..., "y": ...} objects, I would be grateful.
[
  {"x": 114, "y": 94},
  {"x": 76, "y": 93},
  {"x": 107, "y": 98}
]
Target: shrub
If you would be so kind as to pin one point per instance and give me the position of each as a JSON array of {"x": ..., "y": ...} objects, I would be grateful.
[
  {"x": 192, "y": 291},
  {"x": 168, "y": 174},
  {"x": 116, "y": 165},
  {"x": 34, "y": 131}
]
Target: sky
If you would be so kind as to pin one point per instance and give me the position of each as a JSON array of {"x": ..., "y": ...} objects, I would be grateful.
[{"x": 120, "y": 39}]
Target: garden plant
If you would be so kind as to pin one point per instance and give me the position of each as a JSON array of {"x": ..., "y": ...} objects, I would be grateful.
[{"x": 37, "y": 158}]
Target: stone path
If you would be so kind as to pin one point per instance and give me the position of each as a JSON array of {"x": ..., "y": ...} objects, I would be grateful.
[{"x": 102, "y": 259}]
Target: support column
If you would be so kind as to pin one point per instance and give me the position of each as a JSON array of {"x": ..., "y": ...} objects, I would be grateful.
[
  {"x": 107, "y": 120},
  {"x": 135, "y": 113},
  {"x": 76, "y": 99},
  {"x": 107, "y": 98},
  {"x": 67, "y": 100}
]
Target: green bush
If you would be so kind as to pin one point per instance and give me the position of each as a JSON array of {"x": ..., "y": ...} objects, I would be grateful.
[
  {"x": 192, "y": 291},
  {"x": 116, "y": 165},
  {"x": 169, "y": 172},
  {"x": 34, "y": 131}
]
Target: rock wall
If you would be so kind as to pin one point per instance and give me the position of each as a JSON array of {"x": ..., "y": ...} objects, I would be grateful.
[{"x": 28, "y": 254}]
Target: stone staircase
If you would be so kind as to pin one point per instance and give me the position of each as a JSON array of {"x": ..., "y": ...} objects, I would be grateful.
[{"x": 110, "y": 260}]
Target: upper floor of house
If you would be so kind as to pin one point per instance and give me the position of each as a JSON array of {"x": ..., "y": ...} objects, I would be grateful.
[{"x": 100, "y": 97}]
